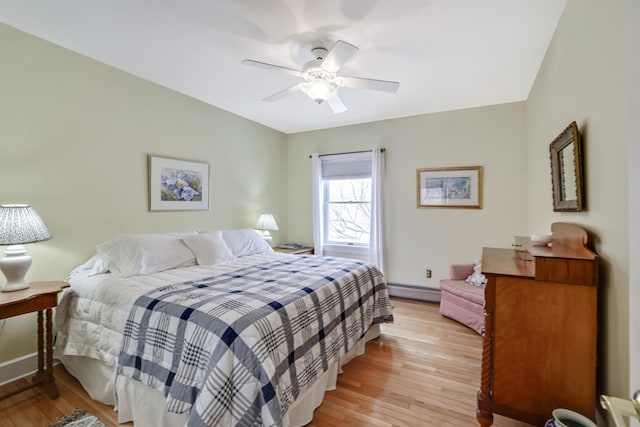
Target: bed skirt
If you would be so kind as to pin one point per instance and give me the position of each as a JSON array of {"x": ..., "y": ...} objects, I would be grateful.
[{"x": 138, "y": 403}]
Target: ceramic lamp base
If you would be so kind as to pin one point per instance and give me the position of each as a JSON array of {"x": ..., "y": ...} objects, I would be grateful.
[
  {"x": 267, "y": 237},
  {"x": 14, "y": 266}
]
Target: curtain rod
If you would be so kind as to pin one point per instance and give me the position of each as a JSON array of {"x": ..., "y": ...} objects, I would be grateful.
[{"x": 349, "y": 152}]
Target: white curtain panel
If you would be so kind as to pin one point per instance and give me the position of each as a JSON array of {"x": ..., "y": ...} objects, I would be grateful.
[
  {"x": 376, "y": 250},
  {"x": 318, "y": 232}
]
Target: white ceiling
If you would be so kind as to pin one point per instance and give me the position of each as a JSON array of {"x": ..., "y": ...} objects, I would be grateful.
[{"x": 446, "y": 54}]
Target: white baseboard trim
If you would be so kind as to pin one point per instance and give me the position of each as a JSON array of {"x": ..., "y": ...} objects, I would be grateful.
[
  {"x": 414, "y": 292},
  {"x": 21, "y": 367}
]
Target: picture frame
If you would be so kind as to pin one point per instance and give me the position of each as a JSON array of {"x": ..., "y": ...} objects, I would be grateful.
[
  {"x": 450, "y": 187},
  {"x": 567, "y": 179},
  {"x": 178, "y": 185}
]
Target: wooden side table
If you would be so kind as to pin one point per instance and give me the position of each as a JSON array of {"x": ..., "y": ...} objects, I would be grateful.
[
  {"x": 40, "y": 297},
  {"x": 305, "y": 250}
]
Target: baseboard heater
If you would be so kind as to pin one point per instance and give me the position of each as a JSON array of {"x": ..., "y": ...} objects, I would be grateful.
[{"x": 414, "y": 292}]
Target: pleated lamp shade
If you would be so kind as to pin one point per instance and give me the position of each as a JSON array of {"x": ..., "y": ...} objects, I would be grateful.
[{"x": 19, "y": 225}]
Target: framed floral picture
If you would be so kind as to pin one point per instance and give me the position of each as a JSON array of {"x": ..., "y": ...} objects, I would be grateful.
[
  {"x": 177, "y": 185},
  {"x": 455, "y": 187}
]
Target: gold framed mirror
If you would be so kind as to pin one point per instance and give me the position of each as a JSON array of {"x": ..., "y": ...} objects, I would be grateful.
[{"x": 566, "y": 171}]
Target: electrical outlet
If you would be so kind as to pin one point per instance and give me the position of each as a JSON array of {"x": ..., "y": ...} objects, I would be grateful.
[{"x": 428, "y": 274}]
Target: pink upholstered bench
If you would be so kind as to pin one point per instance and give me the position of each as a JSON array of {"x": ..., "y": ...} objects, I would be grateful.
[{"x": 460, "y": 300}]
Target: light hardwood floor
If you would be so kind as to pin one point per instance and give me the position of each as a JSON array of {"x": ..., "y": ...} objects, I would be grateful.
[{"x": 424, "y": 370}]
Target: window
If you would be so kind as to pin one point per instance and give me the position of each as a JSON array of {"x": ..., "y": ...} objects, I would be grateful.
[
  {"x": 348, "y": 205},
  {"x": 346, "y": 181},
  {"x": 348, "y": 211}
]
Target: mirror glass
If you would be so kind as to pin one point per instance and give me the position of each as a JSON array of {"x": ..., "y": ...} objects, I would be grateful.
[
  {"x": 568, "y": 174},
  {"x": 566, "y": 171}
]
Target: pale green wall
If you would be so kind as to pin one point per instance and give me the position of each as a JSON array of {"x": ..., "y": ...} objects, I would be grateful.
[
  {"x": 419, "y": 238},
  {"x": 75, "y": 135},
  {"x": 584, "y": 78}
]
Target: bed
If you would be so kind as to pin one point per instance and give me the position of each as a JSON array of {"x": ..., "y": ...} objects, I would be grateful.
[{"x": 214, "y": 328}]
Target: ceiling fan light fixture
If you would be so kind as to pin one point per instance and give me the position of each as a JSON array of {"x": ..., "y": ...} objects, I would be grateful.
[
  {"x": 319, "y": 89},
  {"x": 320, "y": 76}
]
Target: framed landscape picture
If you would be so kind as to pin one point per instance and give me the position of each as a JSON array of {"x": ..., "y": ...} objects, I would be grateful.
[
  {"x": 454, "y": 187},
  {"x": 176, "y": 185}
]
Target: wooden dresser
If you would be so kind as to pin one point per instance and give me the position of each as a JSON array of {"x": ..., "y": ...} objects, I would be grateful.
[{"x": 539, "y": 343}]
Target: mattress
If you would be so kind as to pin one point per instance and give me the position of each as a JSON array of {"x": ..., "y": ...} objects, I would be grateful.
[{"x": 93, "y": 315}]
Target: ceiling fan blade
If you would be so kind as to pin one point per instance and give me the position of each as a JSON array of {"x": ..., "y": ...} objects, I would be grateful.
[
  {"x": 279, "y": 95},
  {"x": 271, "y": 67},
  {"x": 338, "y": 56},
  {"x": 336, "y": 104},
  {"x": 371, "y": 84}
]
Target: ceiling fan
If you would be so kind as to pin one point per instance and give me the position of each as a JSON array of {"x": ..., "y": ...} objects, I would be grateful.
[{"x": 320, "y": 76}]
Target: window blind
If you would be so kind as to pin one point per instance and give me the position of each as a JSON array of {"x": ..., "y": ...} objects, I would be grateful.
[{"x": 346, "y": 166}]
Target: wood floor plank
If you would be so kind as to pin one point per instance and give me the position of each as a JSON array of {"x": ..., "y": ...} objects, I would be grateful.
[{"x": 424, "y": 370}]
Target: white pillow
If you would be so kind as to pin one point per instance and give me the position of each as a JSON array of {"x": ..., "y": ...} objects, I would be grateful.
[
  {"x": 146, "y": 253},
  {"x": 95, "y": 265},
  {"x": 209, "y": 248},
  {"x": 477, "y": 278},
  {"x": 245, "y": 242}
]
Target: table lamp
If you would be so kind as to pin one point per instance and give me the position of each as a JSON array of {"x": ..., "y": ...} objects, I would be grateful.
[
  {"x": 19, "y": 225},
  {"x": 265, "y": 223}
]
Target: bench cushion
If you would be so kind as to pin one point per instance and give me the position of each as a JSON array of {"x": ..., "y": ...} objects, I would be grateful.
[{"x": 463, "y": 290}]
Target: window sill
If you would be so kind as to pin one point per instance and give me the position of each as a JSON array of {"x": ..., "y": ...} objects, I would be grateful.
[{"x": 346, "y": 249}]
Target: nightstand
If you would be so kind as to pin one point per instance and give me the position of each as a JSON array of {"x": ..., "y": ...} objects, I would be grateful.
[
  {"x": 40, "y": 297},
  {"x": 305, "y": 250}
]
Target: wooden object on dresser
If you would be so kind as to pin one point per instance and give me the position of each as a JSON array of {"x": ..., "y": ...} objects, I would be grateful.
[
  {"x": 305, "y": 250},
  {"x": 40, "y": 297},
  {"x": 539, "y": 343}
]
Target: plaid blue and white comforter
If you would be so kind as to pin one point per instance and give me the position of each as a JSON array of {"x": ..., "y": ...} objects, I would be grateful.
[{"x": 239, "y": 348}]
